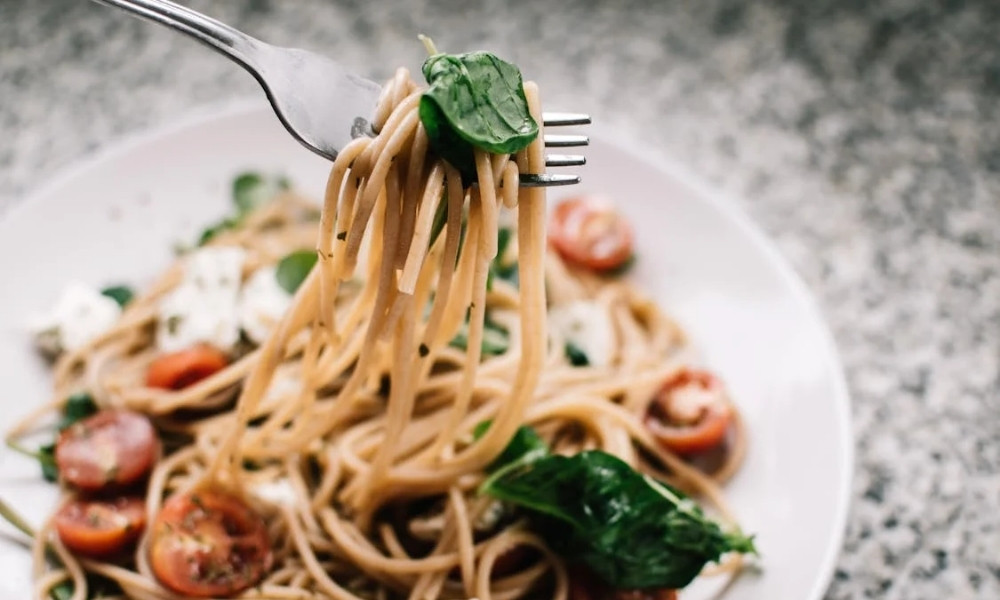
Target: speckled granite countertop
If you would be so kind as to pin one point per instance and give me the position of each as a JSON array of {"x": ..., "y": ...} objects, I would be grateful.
[{"x": 864, "y": 139}]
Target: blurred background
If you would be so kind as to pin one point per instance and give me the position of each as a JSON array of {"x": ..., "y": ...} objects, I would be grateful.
[{"x": 864, "y": 137}]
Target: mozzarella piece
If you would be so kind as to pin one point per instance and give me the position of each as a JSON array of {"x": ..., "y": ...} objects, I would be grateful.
[
  {"x": 276, "y": 492},
  {"x": 203, "y": 307},
  {"x": 689, "y": 402},
  {"x": 80, "y": 314},
  {"x": 262, "y": 303},
  {"x": 587, "y": 326}
]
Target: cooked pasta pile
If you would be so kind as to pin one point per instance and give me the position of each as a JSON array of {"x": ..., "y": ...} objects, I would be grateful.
[{"x": 359, "y": 408}]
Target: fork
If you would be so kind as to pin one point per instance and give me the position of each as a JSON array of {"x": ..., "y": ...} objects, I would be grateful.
[{"x": 318, "y": 101}]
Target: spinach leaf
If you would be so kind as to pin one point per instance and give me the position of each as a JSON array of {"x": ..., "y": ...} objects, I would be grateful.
[
  {"x": 252, "y": 190},
  {"x": 631, "y": 530},
  {"x": 209, "y": 233},
  {"x": 440, "y": 220},
  {"x": 122, "y": 294},
  {"x": 474, "y": 100},
  {"x": 293, "y": 269},
  {"x": 576, "y": 356},
  {"x": 63, "y": 591},
  {"x": 46, "y": 456},
  {"x": 525, "y": 446},
  {"x": 499, "y": 266},
  {"x": 496, "y": 339},
  {"x": 79, "y": 406},
  {"x": 623, "y": 268},
  {"x": 97, "y": 587}
]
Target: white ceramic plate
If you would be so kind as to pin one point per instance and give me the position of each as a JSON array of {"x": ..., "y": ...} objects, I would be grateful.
[{"x": 117, "y": 216}]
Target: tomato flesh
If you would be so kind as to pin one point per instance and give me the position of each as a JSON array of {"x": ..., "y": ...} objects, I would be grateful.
[
  {"x": 590, "y": 233},
  {"x": 691, "y": 413},
  {"x": 110, "y": 449},
  {"x": 177, "y": 370},
  {"x": 207, "y": 544},
  {"x": 101, "y": 528}
]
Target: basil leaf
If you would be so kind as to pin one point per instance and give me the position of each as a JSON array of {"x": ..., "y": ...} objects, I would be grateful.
[
  {"x": 576, "y": 356},
  {"x": 252, "y": 190},
  {"x": 474, "y": 100},
  {"x": 526, "y": 445},
  {"x": 122, "y": 294},
  {"x": 79, "y": 406},
  {"x": 294, "y": 268},
  {"x": 632, "y": 531}
]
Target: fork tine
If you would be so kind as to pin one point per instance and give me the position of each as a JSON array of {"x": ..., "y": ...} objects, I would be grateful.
[
  {"x": 565, "y": 141},
  {"x": 565, "y": 160},
  {"x": 547, "y": 179},
  {"x": 559, "y": 119}
]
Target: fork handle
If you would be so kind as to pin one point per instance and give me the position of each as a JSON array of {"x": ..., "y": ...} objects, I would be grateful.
[{"x": 235, "y": 44}]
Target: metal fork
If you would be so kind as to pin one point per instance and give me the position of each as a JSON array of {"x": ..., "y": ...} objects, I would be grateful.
[{"x": 317, "y": 100}]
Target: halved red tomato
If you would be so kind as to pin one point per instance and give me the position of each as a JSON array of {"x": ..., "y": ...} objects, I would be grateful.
[
  {"x": 590, "y": 233},
  {"x": 101, "y": 528},
  {"x": 112, "y": 448},
  {"x": 178, "y": 370},
  {"x": 208, "y": 544},
  {"x": 690, "y": 413}
]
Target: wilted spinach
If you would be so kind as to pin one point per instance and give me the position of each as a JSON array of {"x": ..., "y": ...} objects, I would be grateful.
[
  {"x": 576, "y": 356},
  {"x": 526, "y": 445},
  {"x": 293, "y": 269},
  {"x": 78, "y": 406},
  {"x": 631, "y": 530},
  {"x": 122, "y": 294}
]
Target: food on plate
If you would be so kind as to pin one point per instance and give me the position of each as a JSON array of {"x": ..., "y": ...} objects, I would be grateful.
[{"x": 428, "y": 388}]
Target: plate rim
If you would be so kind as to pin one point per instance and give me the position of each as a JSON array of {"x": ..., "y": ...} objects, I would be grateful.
[
  {"x": 725, "y": 204},
  {"x": 722, "y": 202}
]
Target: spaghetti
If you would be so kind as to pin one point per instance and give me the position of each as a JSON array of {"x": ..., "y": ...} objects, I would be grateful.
[{"x": 358, "y": 407}]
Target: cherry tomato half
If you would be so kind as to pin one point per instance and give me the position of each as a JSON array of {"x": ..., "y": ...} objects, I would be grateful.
[
  {"x": 690, "y": 413},
  {"x": 209, "y": 544},
  {"x": 178, "y": 370},
  {"x": 101, "y": 528},
  {"x": 589, "y": 232},
  {"x": 112, "y": 448}
]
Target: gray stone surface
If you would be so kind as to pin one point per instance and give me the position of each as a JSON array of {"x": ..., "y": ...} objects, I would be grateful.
[{"x": 864, "y": 137}]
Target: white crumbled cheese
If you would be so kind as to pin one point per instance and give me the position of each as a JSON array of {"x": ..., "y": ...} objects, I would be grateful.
[
  {"x": 203, "y": 307},
  {"x": 489, "y": 518},
  {"x": 262, "y": 303},
  {"x": 275, "y": 492},
  {"x": 689, "y": 402},
  {"x": 587, "y": 326},
  {"x": 283, "y": 384},
  {"x": 80, "y": 315}
]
